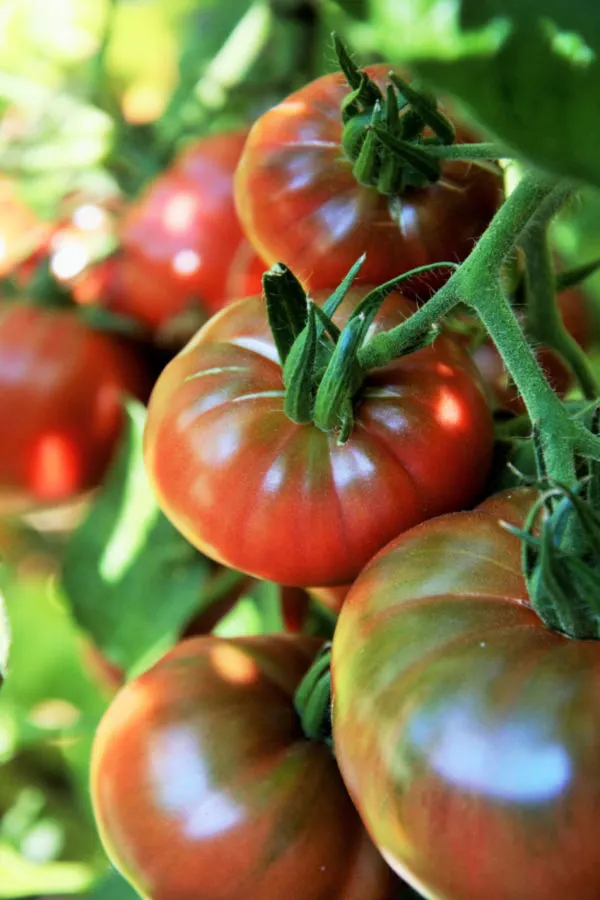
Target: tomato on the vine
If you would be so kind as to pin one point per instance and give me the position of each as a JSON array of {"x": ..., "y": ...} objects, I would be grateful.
[
  {"x": 61, "y": 392},
  {"x": 288, "y": 502},
  {"x": 467, "y": 732},
  {"x": 180, "y": 239},
  {"x": 206, "y": 788},
  {"x": 300, "y": 204}
]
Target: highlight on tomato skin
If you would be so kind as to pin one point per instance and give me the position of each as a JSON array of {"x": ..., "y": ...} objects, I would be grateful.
[
  {"x": 319, "y": 219},
  {"x": 72, "y": 382},
  {"x": 204, "y": 785},
  {"x": 466, "y": 731},
  {"x": 181, "y": 245},
  {"x": 307, "y": 510}
]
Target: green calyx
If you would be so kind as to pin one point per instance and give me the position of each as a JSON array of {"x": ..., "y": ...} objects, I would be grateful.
[
  {"x": 561, "y": 548},
  {"x": 321, "y": 363},
  {"x": 312, "y": 699},
  {"x": 392, "y": 138}
]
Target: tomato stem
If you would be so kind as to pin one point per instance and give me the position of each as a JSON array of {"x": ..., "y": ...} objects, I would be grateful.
[
  {"x": 477, "y": 283},
  {"x": 467, "y": 152},
  {"x": 544, "y": 322},
  {"x": 312, "y": 699}
]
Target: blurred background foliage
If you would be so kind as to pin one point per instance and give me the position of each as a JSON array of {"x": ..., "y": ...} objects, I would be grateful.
[{"x": 96, "y": 97}]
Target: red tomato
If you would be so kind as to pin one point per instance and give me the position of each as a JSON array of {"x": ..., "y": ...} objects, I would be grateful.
[
  {"x": 300, "y": 204},
  {"x": 205, "y": 787},
  {"x": 286, "y": 502},
  {"x": 468, "y": 733},
  {"x": 61, "y": 391},
  {"x": 180, "y": 238},
  {"x": 578, "y": 322}
]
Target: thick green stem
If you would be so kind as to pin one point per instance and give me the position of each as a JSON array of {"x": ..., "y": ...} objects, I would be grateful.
[
  {"x": 544, "y": 322},
  {"x": 541, "y": 402},
  {"x": 388, "y": 345},
  {"x": 486, "y": 150}
]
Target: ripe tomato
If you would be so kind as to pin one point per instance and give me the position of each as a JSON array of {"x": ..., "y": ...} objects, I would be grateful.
[
  {"x": 300, "y": 204},
  {"x": 468, "y": 733},
  {"x": 205, "y": 787},
  {"x": 179, "y": 240},
  {"x": 578, "y": 322},
  {"x": 286, "y": 502},
  {"x": 61, "y": 389}
]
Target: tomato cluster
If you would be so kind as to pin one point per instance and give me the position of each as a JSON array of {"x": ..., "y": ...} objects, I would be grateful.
[{"x": 456, "y": 753}]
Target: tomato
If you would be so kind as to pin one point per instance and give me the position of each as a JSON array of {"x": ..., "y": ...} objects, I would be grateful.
[
  {"x": 205, "y": 787},
  {"x": 577, "y": 318},
  {"x": 286, "y": 502},
  {"x": 180, "y": 239},
  {"x": 331, "y": 597},
  {"x": 61, "y": 391},
  {"x": 468, "y": 733},
  {"x": 300, "y": 204}
]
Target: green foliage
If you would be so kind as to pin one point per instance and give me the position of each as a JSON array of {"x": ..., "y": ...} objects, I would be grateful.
[
  {"x": 529, "y": 70},
  {"x": 132, "y": 580}
]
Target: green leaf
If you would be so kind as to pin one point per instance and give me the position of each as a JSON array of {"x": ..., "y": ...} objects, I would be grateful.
[
  {"x": 529, "y": 70},
  {"x": 132, "y": 580}
]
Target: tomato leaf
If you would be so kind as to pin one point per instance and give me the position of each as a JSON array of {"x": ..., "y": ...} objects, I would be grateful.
[
  {"x": 132, "y": 580},
  {"x": 529, "y": 71}
]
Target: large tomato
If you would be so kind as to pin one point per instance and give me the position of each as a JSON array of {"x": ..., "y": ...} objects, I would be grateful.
[
  {"x": 61, "y": 392},
  {"x": 288, "y": 502},
  {"x": 468, "y": 733},
  {"x": 577, "y": 319},
  {"x": 205, "y": 787},
  {"x": 300, "y": 204},
  {"x": 181, "y": 238}
]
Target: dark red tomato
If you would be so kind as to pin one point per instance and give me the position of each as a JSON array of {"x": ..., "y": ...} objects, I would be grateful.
[
  {"x": 300, "y": 204},
  {"x": 61, "y": 392},
  {"x": 578, "y": 322},
  {"x": 179, "y": 239},
  {"x": 287, "y": 502},
  {"x": 467, "y": 733},
  {"x": 205, "y": 787}
]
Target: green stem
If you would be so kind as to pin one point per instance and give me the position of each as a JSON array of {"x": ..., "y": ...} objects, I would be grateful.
[
  {"x": 467, "y": 152},
  {"x": 544, "y": 322},
  {"x": 477, "y": 284},
  {"x": 484, "y": 262},
  {"x": 541, "y": 402}
]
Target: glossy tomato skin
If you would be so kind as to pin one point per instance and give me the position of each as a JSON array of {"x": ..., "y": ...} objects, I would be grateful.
[
  {"x": 467, "y": 733},
  {"x": 577, "y": 318},
  {"x": 300, "y": 204},
  {"x": 286, "y": 502},
  {"x": 61, "y": 392},
  {"x": 205, "y": 788},
  {"x": 180, "y": 238}
]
